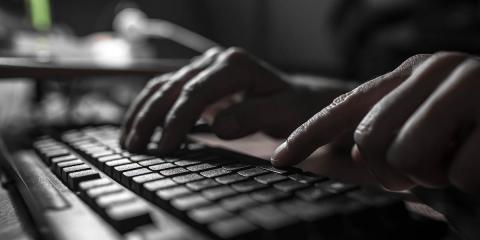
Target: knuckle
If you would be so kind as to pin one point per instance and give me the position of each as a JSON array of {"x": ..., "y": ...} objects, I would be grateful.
[
  {"x": 446, "y": 57},
  {"x": 469, "y": 66},
  {"x": 234, "y": 55},
  {"x": 213, "y": 51},
  {"x": 156, "y": 81},
  {"x": 415, "y": 60},
  {"x": 192, "y": 89}
]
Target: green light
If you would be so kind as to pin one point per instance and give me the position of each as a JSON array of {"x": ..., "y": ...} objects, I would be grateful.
[{"x": 40, "y": 14}]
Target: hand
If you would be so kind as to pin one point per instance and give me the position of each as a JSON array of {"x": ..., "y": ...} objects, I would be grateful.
[
  {"x": 416, "y": 125},
  {"x": 270, "y": 101}
]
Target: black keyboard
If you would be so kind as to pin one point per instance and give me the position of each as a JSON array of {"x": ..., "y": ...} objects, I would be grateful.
[{"x": 223, "y": 194}]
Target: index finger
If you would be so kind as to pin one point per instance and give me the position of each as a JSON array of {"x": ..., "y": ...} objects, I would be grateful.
[
  {"x": 151, "y": 87},
  {"x": 342, "y": 115}
]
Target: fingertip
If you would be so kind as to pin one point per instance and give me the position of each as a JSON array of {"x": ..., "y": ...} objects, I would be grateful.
[
  {"x": 134, "y": 143},
  {"x": 357, "y": 155},
  {"x": 167, "y": 143},
  {"x": 279, "y": 157}
]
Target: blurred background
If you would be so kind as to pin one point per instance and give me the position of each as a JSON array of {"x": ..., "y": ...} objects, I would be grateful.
[{"x": 342, "y": 39}]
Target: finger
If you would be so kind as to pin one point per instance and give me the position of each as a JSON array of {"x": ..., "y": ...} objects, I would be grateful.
[
  {"x": 234, "y": 72},
  {"x": 341, "y": 115},
  {"x": 377, "y": 130},
  {"x": 152, "y": 86},
  {"x": 423, "y": 148},
  {"x": 463, "y": 172},
  {"x": 154, "y": 110}
]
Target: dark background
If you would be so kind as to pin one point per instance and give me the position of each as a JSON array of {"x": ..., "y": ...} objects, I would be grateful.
[{"x": 342, "y": 38}]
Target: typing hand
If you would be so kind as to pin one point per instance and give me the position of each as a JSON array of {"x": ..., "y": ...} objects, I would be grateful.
[
  {"x": 269, "y": 101},
  {"x": 415, "y": 126}
]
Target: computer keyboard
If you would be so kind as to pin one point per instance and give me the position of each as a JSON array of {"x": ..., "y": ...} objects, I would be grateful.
[{"x": 223, "y": 194}]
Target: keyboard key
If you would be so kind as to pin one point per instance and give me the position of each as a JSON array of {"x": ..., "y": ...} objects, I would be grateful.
[
  {"x": 306, "y": 178},
  {"x": 270, "y": 178},
  {"x": 269, "y": 195},
  {"x": 173, "y": 172},
  {"x": 65, "y": 171},
  {"x": 248, "y": 186},
  {"x": 151, "y": 187},
  {"x": 171, "y": 193},
  {"x": 92, "y": 149},
  {"x": 201, "y": 167},
  {"x": 137, "y": 182},
  {"x": 111, "y": 164},
  {"x": 231, "y": 178},
  {"x": 290, "y": 185},
  {"x": 269, "y": 217},
  {"x": 233, "y": 228},
  {"x": 202, "y": 184},
  {"x": 274, "y": 169},
  {"x": 184, "y": 163},
  {"x": 162, "y": 166},
  {"x": 127, "y": 216},
  {"x": 65, "y": 158},
  {"x": 83, "y": 186},
  {"x": 208, "y": 214},
  {"x": 58, "y": 166},
  {"x": 114, "y": 198},
  {"x": 75, "y": 178},
  {"x": 187, "y": 178},
  {"x": 102, "y": 190},
  {"x": 306, "y": 211},
  {"x": 238, "y": 202},
  {"x": 55, "y": 153},
  {"x": 118, "y": 170},
  {"x": 127, "y": 175},
  {"x": 151, "y": 162},
  {"x": 252, "y": 172},
  {"x": 336, "y": 187},
  {"x": 137, "y": 158},
  {"x": 101, "y": 154},
  {"x": 190, "y": 202},
  {"x": 215, "y": 172},
  {"x": 101, "y": 160},
  {"x": 218, "y": 192},
  {"x": 235, "y": 166},
  {"x": 313, "y": 194}
]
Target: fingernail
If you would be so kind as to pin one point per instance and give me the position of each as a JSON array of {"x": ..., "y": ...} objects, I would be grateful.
[
  {"x": 276, "y": 158},
  {"x": 357, "y": 155}
]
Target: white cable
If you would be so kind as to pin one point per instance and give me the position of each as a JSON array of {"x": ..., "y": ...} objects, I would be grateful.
[{"x": 133, "y": 24}]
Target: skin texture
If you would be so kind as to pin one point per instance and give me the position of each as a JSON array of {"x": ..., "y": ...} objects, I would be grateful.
[
  {"x": 414, "y": 126},
  {"x": 265, "y": 100}
]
